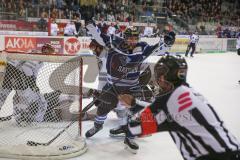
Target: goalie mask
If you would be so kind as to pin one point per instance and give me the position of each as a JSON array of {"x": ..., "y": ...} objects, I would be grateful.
[
  {"x": 171, "y": 70},
  {"x": 48, "y": 49},
  {"x": 131, "y": 36}
]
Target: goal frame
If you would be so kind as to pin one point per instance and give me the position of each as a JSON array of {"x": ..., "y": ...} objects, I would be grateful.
[{"x": 77, "y": 146}]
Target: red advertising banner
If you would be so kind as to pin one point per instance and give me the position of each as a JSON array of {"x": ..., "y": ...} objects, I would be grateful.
[
  {"x": 28, "y": 44},
  {"x": 63, "y": 45},
  {"x": 57, "y": 43},
  {"x": 15, "y": 25},
  {"x": 73, "y": 45},
  {"x": 21, "y": 44}
]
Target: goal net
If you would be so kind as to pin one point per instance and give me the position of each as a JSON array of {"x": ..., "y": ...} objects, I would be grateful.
[{"x": 38, "y": 96}]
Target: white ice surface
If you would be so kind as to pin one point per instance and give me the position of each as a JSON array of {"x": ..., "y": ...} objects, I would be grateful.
[{"x": 216, "y": 76}]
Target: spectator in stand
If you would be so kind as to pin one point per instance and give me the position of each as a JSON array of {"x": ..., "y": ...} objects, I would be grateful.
[
  {"x": 70, "y": 29},
  {"x": 111, "y": 29},
  {"x": 22, "y": 11},
  {"x": 103, "y": 27},
  {"x": 54, "y": 28},
  {"x": 82, "y": 31},
  {"x": 148, "y": 31},
  {"x": 118, "y": 31},
  {"x": 130, "y": 25},
  {"x": 59, "y": 4},
  {"x": 54, "y": 13},
  {"x": 78, "y": 24},
  {"x": 42, "y": 23},
  {"x": 117, "y": 26},
  {"x": 156, "y": 31},
  {"x": 44, "y": 12},
  {"x": 110, "y": 17}
]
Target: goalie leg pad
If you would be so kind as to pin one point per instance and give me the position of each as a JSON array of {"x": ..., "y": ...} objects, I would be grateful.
[
  {"x": 30, "y": 103},
  {"x": 3, "y": 96}
]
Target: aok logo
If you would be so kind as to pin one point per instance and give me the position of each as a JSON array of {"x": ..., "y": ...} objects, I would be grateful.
[
  {"x": 72, "y": 46},
  {"x": 20, "y": 43}
]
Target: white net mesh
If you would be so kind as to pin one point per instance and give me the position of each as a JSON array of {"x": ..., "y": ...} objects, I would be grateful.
[{"x": 37, "y": 97}]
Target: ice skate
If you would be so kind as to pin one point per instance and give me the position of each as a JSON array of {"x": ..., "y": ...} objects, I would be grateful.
[
  {"x": 130, "y": 145},
  {"x": 96, "y": 128}
]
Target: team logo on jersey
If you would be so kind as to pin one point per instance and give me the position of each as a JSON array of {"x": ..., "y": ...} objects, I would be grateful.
[
  {"x": 185, "y": 101},
  {"x": 124, "y": 60}
]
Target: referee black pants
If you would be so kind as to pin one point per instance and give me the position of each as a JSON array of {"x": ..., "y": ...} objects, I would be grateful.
[{"x": 190, "y": 46}]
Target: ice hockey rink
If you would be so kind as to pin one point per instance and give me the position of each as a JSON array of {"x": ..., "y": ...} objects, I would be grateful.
[{"x": 216, "y": 76}]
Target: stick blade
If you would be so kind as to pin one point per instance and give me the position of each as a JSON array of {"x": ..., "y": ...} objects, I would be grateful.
[
  {"x": 7, "y": 118},
  {"x": 32, "y": 143}
]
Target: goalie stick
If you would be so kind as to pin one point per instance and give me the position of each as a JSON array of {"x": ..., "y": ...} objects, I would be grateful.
[
  {"x": 85, "y": 109},
  {"x": 32, "y": 143},
  {"x": 7, "y": 118}
]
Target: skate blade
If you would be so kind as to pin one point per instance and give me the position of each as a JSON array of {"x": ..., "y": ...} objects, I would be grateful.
[
  {"x": 133, "y": 151},
  {"x": 149, "y": 135},
  {"x": 117, "y": 135}
]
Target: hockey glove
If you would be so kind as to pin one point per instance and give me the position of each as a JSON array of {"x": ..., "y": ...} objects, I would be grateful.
[{"x": 143, "y": 125}]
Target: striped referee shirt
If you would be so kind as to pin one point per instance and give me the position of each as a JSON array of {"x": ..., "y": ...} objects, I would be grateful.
[{"x": 193, "y": 124}]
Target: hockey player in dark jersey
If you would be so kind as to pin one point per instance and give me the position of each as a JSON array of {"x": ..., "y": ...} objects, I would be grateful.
[
  {"x": 124, "y": 59},
  {"x": 145, "y": 91},
  {"x": 193, "y": 124}
]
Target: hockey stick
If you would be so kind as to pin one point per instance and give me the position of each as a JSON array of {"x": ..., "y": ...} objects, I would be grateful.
[
  {"x": 85, "y": 109},
  {"x": 7, "y": 118},
  {"x": 32, "y": 143}
]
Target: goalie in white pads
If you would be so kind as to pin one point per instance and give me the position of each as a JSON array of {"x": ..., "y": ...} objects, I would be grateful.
[
  {"x": 28, "y": 104},
  {"x": 193, "y": 124}
]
